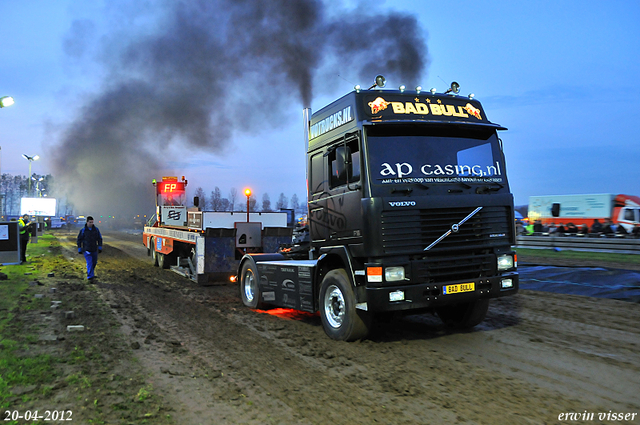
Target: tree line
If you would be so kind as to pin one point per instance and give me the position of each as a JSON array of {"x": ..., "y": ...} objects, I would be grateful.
[
  {"x": 236, "y": 201},
  {"x": 14, "y": 188}
]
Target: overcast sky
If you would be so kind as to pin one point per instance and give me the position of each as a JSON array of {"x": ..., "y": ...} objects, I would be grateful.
[{"x": 562, "y": 76}]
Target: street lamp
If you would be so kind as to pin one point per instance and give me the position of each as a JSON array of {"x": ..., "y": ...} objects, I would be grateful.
[
  {"x": 6, "y": 101},
  {"x": 247, "y": 192},
  {"x": 30, "y": 159}
]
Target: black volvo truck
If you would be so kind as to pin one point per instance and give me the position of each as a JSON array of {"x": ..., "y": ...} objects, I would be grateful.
[{"x": 409, "y": 210}]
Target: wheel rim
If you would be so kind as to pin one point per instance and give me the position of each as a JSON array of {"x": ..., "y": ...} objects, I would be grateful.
[
  {"x": 248, "y": 285},
  {"x": 334, "y": 306}
]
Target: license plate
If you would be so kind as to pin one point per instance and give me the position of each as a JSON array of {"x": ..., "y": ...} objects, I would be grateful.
[{"x": 459, "y": 288}]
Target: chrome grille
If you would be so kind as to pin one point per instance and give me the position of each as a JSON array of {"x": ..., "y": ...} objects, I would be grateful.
[{"x": 411, "y": 231}]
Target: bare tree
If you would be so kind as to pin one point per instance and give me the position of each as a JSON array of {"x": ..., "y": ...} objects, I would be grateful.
[
  {"x": 266, "y": 203},
  {"x": 282, "y": 203},
  {"x": 233, "y": 197},
  {"x": 295, "y": 204},
  {"x": 216, "y": 199}
]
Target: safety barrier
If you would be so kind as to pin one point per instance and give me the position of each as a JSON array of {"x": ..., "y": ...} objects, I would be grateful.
[{"x": 619, "y": 245}]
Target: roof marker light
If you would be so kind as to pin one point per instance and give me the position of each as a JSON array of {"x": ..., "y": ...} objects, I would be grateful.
[
  {"x": 418, "y": 89},
  {"x": 471, "y": 95},
  {"x": 433, "y": 90},
  {"x": 357, "y": 88},
  {"x": 402, "y": 87}
]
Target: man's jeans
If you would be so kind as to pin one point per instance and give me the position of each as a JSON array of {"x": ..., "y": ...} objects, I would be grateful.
[{"x": 92, "y": 260}]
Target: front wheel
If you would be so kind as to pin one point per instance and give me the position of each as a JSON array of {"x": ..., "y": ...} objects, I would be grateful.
[
  {"x": 340, "y": 318},
  {"x": 465, "y": 315},
  {"x": 249, "y": 286}
]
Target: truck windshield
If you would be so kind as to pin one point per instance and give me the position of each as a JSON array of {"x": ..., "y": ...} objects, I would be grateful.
[
  {"x": 172, "y": 199},
  {"x": 434, "y": 155}
]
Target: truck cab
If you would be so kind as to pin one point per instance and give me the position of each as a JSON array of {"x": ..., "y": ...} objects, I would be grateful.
[{"x": 409, "y": 209}]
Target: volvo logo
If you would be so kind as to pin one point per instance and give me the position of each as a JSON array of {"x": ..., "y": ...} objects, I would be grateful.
[
  {"x": 455, "y": 228},
  {"x": 403, "y": 204}
]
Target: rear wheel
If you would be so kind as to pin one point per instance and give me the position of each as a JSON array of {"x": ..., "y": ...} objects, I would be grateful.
[
  {"x": 154, "y": 254},
  {"x": 249, "y": 286},
  {"x": 164, "y": 260},
  {"x": 340, "y": 318},
  {"x": 465, "y": 315}
]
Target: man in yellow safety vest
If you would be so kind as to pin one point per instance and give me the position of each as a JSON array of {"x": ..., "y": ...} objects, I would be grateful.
[{"x": 23, "y": 224}]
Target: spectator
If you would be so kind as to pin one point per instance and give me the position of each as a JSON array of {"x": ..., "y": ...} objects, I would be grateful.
[
  {"x": 572, "y": 229},
  {"x": 537, "y": 226},
  {"x": 23, "y": 225},
  {"x": 584, "y": 230},
  {"x": 608, "y": 229},
  {"x": 596, "y": 227},
  {"x": 529, "y": 229},
  {"x": 560, "y": 230}
]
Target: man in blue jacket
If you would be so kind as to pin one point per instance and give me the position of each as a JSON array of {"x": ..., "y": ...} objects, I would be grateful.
[{"x": 90, "y": 242}]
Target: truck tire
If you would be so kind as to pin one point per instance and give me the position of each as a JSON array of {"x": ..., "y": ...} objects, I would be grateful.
[
  {"x": 340, "y": 318},
  {"x": 164, "y": 260},
  {"x": 154, "y": 254},
  {"x": 249, "y": 286},
  {"x": 465, "y": 315}
]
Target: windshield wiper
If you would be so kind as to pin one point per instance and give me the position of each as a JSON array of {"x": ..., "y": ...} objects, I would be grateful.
[
  {"x": 406, "y": 191},
  {"x": 487, "y": 189},
  {"x": 466, "y": 186}
]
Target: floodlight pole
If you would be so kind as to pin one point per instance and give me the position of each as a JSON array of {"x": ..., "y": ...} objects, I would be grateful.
[
  {"x": 30, "y": 159},
  {"x": 248, "y": 193}
]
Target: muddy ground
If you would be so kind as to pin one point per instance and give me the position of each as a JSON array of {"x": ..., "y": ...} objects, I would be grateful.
[{"x": 212, "y": 361}]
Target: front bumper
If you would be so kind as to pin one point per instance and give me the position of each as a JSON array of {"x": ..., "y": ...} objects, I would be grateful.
[{"x": 430, "y": 295}]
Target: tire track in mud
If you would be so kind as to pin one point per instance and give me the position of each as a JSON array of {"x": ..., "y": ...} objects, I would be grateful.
[{"x": 228, "y": 364}]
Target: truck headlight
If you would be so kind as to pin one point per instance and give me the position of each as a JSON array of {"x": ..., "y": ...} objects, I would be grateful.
[
  {"x": 505, "y": 262},
  {"x": 392, "y": 274}
]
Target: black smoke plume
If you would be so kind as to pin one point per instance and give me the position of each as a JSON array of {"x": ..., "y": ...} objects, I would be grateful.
[{"x": 197, "y": 73}]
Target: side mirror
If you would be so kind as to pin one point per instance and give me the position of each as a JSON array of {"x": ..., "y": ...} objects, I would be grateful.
[
  {"x": 196, "y": 201},
  {"x": 555, "y": 210}
]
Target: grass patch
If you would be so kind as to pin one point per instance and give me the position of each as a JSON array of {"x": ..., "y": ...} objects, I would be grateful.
[
  {"x": 598, "y": 257},
  {"x": 76, "y": 369},
  {"x": 19, "y": 365}
]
